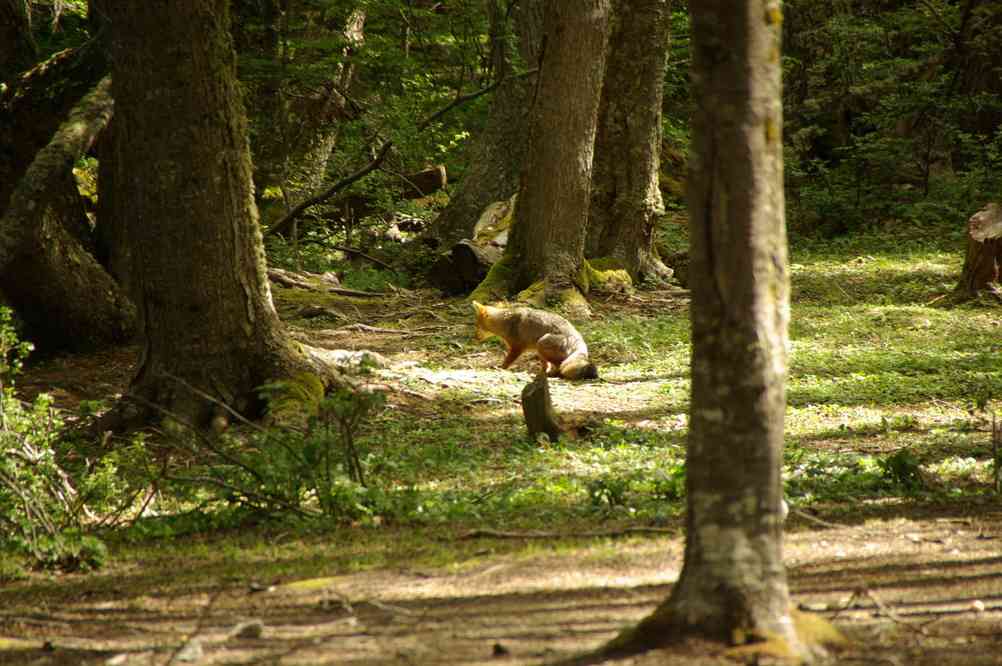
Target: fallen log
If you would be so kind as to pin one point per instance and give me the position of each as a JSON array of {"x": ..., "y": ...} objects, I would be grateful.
[{"x": 463, "y": 267}]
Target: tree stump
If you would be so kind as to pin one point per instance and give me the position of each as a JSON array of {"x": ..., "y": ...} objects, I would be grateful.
[
  {"x": 984, "y": 251},
  {"x": 538, "y": 409}
]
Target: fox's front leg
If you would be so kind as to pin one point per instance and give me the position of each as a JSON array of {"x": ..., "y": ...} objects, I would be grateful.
[{"x": 514, "y": 351}]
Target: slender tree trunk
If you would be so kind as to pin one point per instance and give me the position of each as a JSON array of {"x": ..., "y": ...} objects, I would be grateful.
[
  {"x": 733, "y": 584},
  {"x": 547, "y": 241},
  {"x": 495, "y": 157},
  {"x": 733, "y": 577},
  {"x": 111, "y": 234},
  {"x": 182, "y": 169},
  {"x": 625, "y": 197},
  {"x": 297, "y": 128}
]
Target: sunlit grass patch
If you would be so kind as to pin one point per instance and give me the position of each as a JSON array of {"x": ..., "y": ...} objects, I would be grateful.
[
  {"x": 880, "y": 382},
  {"x": 635, "y": 344}
]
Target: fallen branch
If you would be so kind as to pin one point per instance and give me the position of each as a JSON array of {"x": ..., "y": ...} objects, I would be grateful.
[
  {"x": 589, "y": 534},
  {"x": 816, "y": 521},
  {"x": 359, "y": 253},
  {"x": 341, "y": 291},
  {"x": 365, "y": 328}
]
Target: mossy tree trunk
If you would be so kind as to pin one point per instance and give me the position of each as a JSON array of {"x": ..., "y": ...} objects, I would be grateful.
[
  {"x": 733, "y": 583},
  {"x": 182, "y": 170},
  {"x": 49, "y": 118},
  {"x": 495, "y": 157},
  {"x": 32, "y": 110},
  {"x": 547, "y": 241},
  {"x": 63, "y": 294},
  {"x": 625, "y": 197}
]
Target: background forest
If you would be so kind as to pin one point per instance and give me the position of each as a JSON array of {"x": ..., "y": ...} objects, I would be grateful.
[{"x": 387, "y": 140}]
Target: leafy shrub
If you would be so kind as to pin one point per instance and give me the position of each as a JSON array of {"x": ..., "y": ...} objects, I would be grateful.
[
  {"x": 902, "y": 469},
  {"x": 312, "y": 471},
  {"x": 43, "y": 509}
]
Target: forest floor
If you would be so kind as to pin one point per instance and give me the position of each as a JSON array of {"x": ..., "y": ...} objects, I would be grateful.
[{"x": 909, "y": 576}]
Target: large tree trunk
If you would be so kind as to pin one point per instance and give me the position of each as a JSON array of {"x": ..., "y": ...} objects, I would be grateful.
[
  {"x": 547, "y": 241},
  {"x": 495, "y": 157},
  {"x": 625, "y": 197},
  {"x": 733, "y": 585},
  {"x": 182, "y": 170}
]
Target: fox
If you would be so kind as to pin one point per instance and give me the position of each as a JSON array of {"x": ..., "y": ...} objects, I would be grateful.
[{"x": 560, "y": 348}]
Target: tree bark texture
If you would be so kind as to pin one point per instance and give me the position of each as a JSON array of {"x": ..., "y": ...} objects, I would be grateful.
[
  {"x": 183, "y": 172},
  {"x": 549, "y": 235},
  {"x": 733, "y": 576},
  {"x": 111, "y": 235},
  {"x": 625, "y": 197},
  {"x": 495, "y": 157},
  {"x": 733, "y": 582},
  {"x": 77, "y": 304}
]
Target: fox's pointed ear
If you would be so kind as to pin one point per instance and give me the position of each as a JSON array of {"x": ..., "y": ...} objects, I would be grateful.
[{"x": 477, "y": 307}]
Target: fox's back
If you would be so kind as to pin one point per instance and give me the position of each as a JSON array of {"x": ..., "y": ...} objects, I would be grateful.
[{"x": 528, "y": 325}]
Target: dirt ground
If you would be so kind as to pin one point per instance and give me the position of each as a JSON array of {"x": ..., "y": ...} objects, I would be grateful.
[
  {"x": 905, "y": 588},
  {"x": 906, "y": 584}
]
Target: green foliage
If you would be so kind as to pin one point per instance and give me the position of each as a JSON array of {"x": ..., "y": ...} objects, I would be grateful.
[
  {"x": 607, "y": 492},
  {"x": 315, "y": 471},
  {"x": 317, "y": 253},
  {"x": 883, "y": 120},
  {"x": 413, "y": 61},
  {"x": 44, "y": 506},
  {"x": 902, "y": 468},
  {"x": 365, "y": 278},
  {"x": 59, "y": 25}
]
